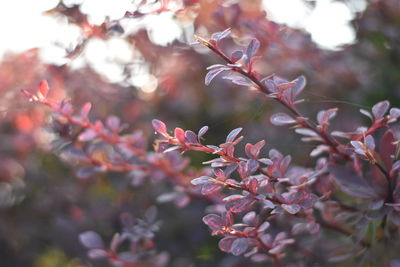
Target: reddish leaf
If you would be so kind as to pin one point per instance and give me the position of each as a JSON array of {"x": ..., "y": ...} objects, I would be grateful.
[
  {"x": 159, "y": 126},
  {"x": 180, "y": 135},
  {"x": 86, "y": 109},
  {"x": 43, "y": 89},
  {"x": 253, "y": 186},
  {"x": 387, "y": 148},
  {"x": 87, "y": 135},
  {"x": 239, "y": 205}
]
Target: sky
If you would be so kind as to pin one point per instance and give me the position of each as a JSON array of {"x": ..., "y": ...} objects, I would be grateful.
[{"x": 25, "y": 28}]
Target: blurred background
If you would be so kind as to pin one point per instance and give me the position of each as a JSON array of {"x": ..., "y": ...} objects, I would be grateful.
[{"x": 134, "y": 59}]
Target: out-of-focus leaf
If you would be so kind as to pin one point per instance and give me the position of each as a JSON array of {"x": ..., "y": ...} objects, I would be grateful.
[
  {"x": 351, "y": 183},
  {"x": 91, "y": 240}
]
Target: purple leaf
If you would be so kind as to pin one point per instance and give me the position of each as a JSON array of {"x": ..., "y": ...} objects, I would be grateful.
[
  {"x": 267, "y": 240},
  {"x": 239, "y": 80},
  {"x": 351, "y": 183},
  {"x": 113, "y": 123},
  {"x": 395, "y": 113},
  {"x": 151, "y": 214},
  {"x": 212, "y": 74},
  {"x": 299, "y": 86},
  {"x": 97, "y": 253},
  {"x": 85, "y": 172},
  {"x": 236, "y": 55},
  {"x": 280, "y": 119},
  {"x": 215, "y": 222},
  {"x": 233, "y": 134},
  {"x": 259, "y": 258},
  {"x": 252, "y": 48},
  {"x": 87, "y": 135},
  {"x": 209, "y": 188},
  {"x": 239, "y": 204},
  {"x": 359, "y": 148},
  {"x": 220, "y": 35},
  {"x": 292, "y": 209},
  {"x": 252, "y": 166},
  {"x": 91, "y": 239},
  {"x": 239, "y": 246},
  {"x": 271, "y": 85},
  {"x": 325, "y": 115},
  {"x": 396, "y": 166},
  {"x": 201, "y": 180},
  {"x": 366, "y": 113},
  {"x": 299, "y": 228},
  {"x": 264, "y": 226},
  {"x": 191, "y": 137},
  {"x": 369, "y": 142},
  {"x": 380, "y": 109},
  {"x": 202, "y": 131},
  {"x": 250, "y": 218}
]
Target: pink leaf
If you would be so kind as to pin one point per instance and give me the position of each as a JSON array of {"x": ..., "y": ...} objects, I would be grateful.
[
  {"x": 180, "y": 135},
  {"x": 43, "y": 89},
  {"x": 86, "y": 109}
]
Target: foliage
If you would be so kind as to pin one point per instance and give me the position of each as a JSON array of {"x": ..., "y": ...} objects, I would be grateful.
[{"x": 334, "y": 200}]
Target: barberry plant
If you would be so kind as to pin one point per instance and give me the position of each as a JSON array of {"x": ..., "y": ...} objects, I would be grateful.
[{"x": 263, "y": 206}]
